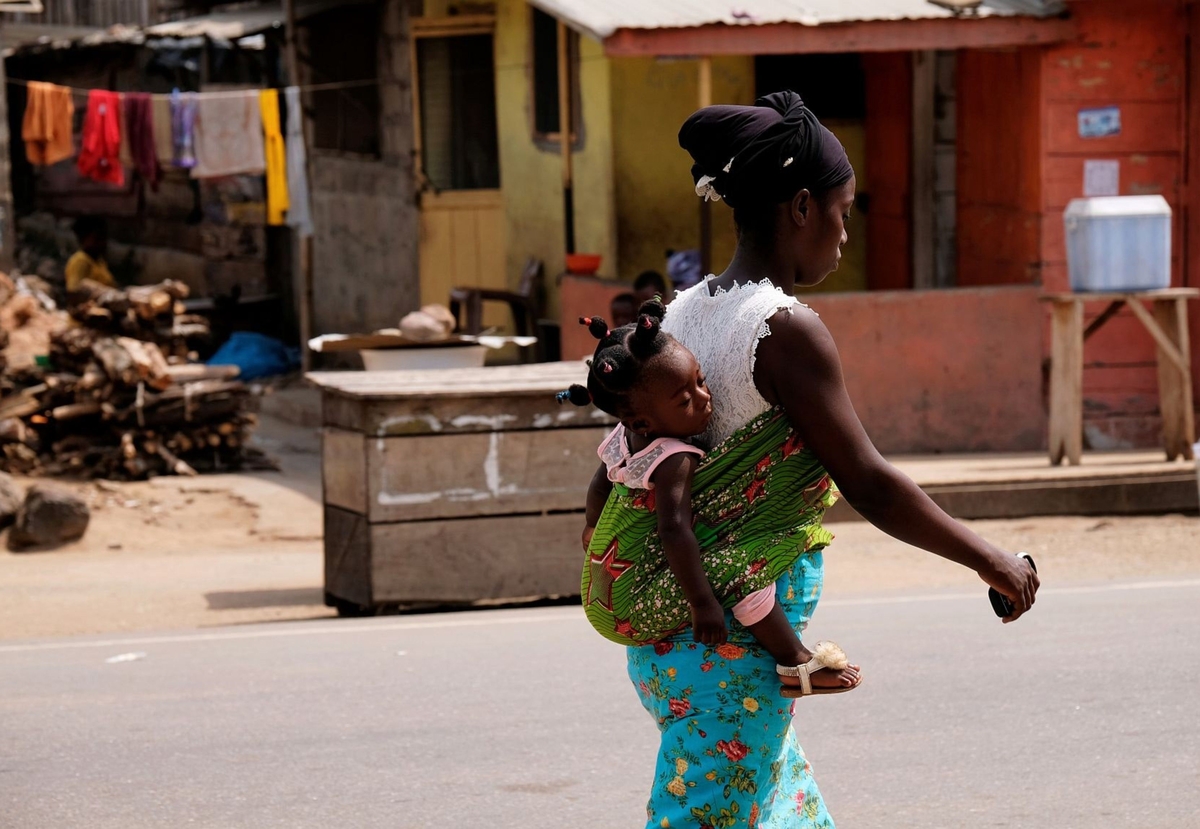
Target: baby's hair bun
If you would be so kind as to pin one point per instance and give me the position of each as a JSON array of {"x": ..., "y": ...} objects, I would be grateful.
[
  {"x": 596, "y": 325},
  {"x": 577, "y": 394},
  {"x": 653, "y": 308}
]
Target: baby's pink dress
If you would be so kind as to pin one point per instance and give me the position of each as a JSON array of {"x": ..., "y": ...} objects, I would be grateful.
[{"x": 636, "y": 471}]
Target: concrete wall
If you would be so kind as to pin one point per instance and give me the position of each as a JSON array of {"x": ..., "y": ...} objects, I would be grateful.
[
  {"x": 364, "y": 209},
  {"x": 942, "y": 371},
  {"x": 531, "y": 171},
  {"x": 928, "y": 371}
]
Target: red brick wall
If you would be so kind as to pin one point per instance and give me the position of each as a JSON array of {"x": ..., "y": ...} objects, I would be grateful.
[
  {"x": 1132, "y": 56},
  {"x": 889, "y": 169}
]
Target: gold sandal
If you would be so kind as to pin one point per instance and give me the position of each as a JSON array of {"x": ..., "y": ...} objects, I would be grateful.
[{"x": 827, "y": 655}]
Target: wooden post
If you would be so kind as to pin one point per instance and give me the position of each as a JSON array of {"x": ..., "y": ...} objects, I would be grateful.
[
  {"x": 924, "y": 198},
  {"x": 564, "y": 133},
  {"x": 1066, "y": 382},
  {"x": 1175, "y": 379},
  {"x": 8, "y": 232},
  {"x": 304, "y": 246},
  {"x": 705, "y": 99}
]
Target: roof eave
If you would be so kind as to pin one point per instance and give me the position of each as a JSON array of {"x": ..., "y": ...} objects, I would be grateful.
[{"x": 993, "y": 31}]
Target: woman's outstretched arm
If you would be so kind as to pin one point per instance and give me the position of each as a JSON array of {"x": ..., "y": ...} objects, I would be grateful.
[{"x": 798, "y": 368}]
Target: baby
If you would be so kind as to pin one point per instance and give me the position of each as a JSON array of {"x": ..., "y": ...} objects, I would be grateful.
[{"x": 655, "y": 386}]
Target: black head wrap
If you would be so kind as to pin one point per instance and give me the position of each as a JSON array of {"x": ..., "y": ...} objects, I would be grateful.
[{"x": 762, "y": 154}]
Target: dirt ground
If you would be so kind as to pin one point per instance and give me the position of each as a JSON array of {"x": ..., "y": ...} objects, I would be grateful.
[{"x": 239, "y": 549}]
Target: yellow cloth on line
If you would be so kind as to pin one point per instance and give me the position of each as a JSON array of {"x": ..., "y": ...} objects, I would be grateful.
[{"x": 276, "y": 152}]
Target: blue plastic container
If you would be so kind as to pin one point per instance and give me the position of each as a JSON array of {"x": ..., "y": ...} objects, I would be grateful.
[{"x": 1119, "y": 243}]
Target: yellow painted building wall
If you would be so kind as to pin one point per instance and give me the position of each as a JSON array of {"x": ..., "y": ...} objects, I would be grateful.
[
  {"x": 851, "y": 275},
  {"x": 656, "y": 203},
  {"x": 531, "y": 172}
]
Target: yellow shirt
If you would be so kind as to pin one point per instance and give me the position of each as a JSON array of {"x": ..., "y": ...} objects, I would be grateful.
[{"x": 81, "y": 266}]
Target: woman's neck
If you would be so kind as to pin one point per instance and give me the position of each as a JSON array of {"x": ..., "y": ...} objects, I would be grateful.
[{"x": 751, "y": 263}]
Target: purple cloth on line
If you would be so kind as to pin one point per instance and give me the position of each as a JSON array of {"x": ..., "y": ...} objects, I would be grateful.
[{"x": 183, "y": 124}]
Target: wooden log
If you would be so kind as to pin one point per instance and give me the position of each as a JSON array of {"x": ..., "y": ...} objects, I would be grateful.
[
  {"x": 72, "y": 411},
  {"x": 175, "y": 464},
  {"x": 197, "y": 371}
]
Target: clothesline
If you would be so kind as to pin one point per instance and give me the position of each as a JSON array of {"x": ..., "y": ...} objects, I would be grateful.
[
  {"x": 237, "y": 132},
  {"x": 316, "y": 87}
]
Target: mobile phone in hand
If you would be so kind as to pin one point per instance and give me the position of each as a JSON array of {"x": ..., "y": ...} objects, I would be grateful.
[{"x": 1000, "y": 603}]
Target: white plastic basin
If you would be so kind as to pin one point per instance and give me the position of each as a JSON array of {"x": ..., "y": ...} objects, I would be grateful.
[{"x": 408, "y": 359}]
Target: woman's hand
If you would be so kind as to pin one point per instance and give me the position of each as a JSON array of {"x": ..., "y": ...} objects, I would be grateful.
[
  {"x": 588, "y": 532},
  {"x": 708, "y": 622},
  {"x": 1014, "y": 579}
]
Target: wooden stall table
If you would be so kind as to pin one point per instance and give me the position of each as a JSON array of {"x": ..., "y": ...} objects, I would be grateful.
[
  {"x": 1167, "y": 323},
  {"x": 453, "y": 486}
]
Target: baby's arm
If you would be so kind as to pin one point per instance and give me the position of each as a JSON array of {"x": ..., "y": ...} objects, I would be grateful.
[
  {"x": 597, "y": 496},
  {"x": 673, "y": 502}
]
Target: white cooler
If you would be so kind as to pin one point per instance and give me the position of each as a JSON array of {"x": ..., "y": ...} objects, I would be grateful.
[{"x": 1119, "y": 243}]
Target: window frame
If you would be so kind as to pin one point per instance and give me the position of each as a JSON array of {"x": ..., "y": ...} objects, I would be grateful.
[
  {"x": 464, "y": 25},
  {"x": 552, "y": 140}
]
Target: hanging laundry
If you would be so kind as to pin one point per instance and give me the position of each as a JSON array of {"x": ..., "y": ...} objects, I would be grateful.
[
  {"x": 183, "y": 129},
  {"x": 46, "y": 129},
  {"x": 277, "y": 178},
  {"x": 99, "y": 156},
  {"x": 299, "y": 213},
  {"x": 139, "y": 128},
  {"x": 164, "y": 142},
  {"x": 229, "y": 135},
  {"x": 126, "y": 154}
]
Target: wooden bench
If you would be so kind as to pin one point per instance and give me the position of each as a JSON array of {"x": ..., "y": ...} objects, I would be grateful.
[
  {"x": 1167, "y": 323},
  {"x": 449, "y": 487}
]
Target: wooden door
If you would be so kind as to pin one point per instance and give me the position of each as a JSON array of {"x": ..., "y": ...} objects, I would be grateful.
[{"x": 458, "y": 160}]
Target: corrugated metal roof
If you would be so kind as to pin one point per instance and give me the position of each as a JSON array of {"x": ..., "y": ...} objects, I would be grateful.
[
  {"x": 602, "y": 19},
  {"x": 218, "y": 25}
]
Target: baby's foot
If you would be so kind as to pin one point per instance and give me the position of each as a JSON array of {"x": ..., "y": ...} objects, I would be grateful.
[{"x": 833, "y": 673}]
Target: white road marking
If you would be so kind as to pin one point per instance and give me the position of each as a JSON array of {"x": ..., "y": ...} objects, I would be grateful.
[{"x": 554, "y": 615}]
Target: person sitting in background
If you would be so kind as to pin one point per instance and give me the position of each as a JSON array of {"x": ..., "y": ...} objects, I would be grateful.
[
  {"x": 651, "y": 284},
  {"x": 623, "y": 309},
  {"x": 88, "y": 263}
]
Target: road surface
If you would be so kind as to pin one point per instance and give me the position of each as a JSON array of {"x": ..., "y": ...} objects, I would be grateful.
[{"x": 1086, "y": 714}]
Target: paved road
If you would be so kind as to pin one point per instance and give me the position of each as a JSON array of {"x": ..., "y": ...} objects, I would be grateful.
[{"x": 1087, "y": 714}]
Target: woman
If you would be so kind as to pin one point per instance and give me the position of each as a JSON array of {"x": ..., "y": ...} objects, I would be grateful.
[{"x": 728, "y": 756}]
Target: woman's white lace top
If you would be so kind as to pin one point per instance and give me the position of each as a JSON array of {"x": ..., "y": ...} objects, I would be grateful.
[{"x": 723, "y": 331}]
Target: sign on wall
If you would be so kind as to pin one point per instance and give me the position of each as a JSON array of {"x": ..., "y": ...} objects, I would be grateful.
[{"x": 1099, "y": 123}]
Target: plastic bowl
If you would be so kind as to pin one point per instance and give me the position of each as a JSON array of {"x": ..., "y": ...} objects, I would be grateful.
[{"x": 584, "y": 264}]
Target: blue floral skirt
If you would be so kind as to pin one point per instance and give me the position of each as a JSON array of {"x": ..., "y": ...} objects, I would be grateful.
[{"x": 728, "y": 756}]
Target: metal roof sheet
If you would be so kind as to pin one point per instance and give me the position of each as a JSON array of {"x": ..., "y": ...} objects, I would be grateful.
[{"x": 602, "y": 19}]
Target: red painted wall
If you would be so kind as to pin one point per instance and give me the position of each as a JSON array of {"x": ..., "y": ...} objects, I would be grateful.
[
  {"x": 942, "y": 371},
  {"x": 889, "y": 169},
  {"x": 999, "y": 179},
  {"x": 928, "y": 371},
  {"x": 1132, "y": 56}
]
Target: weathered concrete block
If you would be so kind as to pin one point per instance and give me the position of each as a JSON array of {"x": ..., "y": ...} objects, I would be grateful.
[
  {"x": 10, "y": 500},
  {"x": 49, "y": 516}
]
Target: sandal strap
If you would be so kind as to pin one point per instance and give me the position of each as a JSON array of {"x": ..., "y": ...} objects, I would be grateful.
[
  {"x": 802, "y": 672},
  {"x": 827, "y": 655}
]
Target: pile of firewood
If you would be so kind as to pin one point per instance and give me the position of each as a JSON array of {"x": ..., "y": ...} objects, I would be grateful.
[{"x": 118, "y": 398}]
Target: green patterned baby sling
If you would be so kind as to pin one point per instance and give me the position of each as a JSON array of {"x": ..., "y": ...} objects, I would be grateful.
[{"x": 757, "y": 500}]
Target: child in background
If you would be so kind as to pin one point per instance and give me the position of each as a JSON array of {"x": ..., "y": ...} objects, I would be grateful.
[
  {"x": 651, "y": 285},
  {"x": 88, "y": 262},
  {"x": 623, "y": 309}
]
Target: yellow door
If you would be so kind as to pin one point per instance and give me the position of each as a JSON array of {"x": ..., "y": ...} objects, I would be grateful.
[{"x": 462, "y": 208}]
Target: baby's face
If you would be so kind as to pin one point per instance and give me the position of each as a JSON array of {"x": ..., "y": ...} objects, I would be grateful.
[{"x": 673, "y": 400}]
